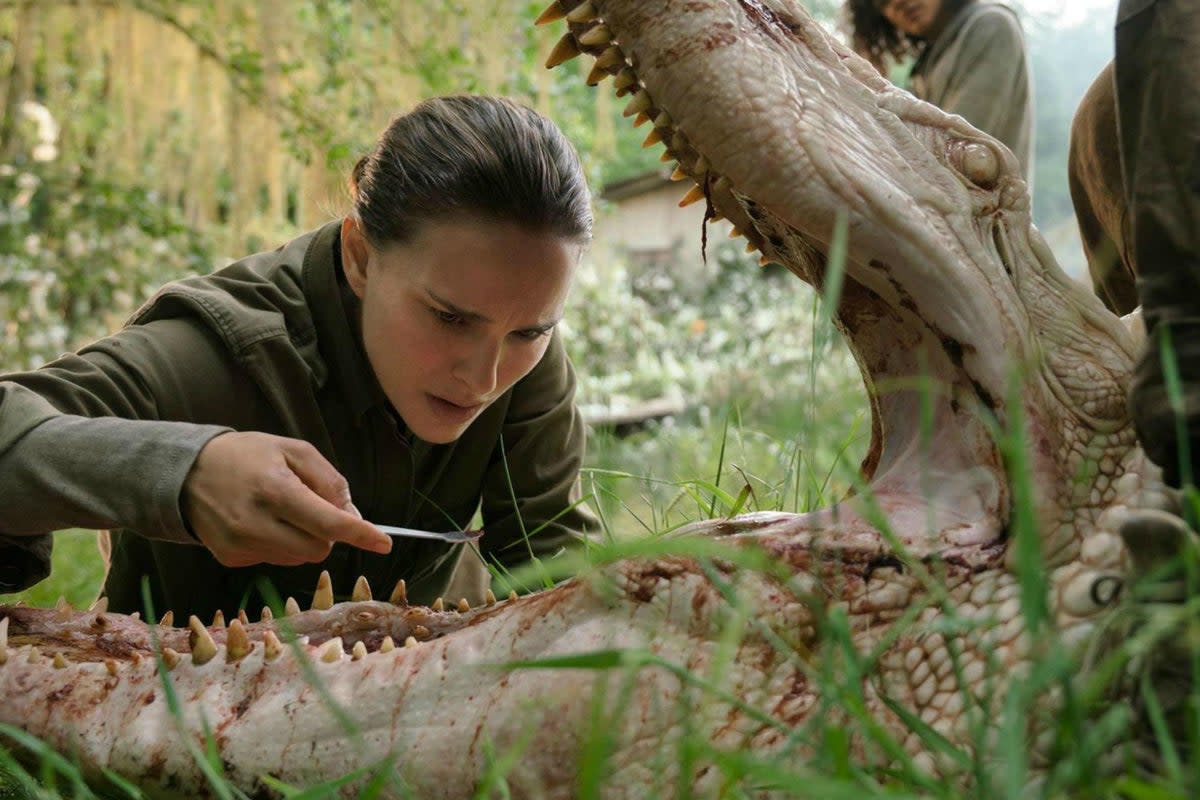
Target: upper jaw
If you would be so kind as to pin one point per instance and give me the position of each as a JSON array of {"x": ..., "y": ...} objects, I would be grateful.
[
  {"x": 812, "y": 132},
  {"x": 786, "y": 133}
]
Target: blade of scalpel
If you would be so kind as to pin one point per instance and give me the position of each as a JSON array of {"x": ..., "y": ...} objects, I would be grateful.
[{"x": 455, "y": 537}]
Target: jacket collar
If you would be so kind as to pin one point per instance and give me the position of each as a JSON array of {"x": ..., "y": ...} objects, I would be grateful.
[{"x": 335, "y": 312}]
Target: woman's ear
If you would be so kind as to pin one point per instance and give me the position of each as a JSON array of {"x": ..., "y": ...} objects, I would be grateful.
[{"x": 355, "y": 254}]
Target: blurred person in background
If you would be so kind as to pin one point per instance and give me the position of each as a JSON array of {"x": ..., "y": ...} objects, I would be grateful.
[{"x": 969, "y": 59}]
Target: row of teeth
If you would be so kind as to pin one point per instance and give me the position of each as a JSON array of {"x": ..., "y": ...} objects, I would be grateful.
[
  {"x": 587, "y": 33},
  {"x": 238, "y": 644}
]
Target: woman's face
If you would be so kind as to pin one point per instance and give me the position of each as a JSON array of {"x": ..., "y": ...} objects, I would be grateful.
[
  {"x": 453, "y": 318},
  {"x": 912, "y": 17}
]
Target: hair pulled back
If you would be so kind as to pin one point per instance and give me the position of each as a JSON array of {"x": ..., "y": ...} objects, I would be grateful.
[
  {"x": 872, "y": 36},
  {"x": 470, "y": 156}
]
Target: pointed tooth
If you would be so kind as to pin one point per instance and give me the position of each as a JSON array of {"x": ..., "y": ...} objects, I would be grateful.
[
  {"x": 267, "y": 614},
  {"x": 438, "y": 605},
  {"x": 750, "y": 248},
  {"x": 641, "y": 119},
  {"x": 420, "y": 631},
  {"x": 566, "y": 49},
  {"x": 702, "y": 166},
  {"x": 512, "y": 595},
  {"x": 679, "y": 174},
  {"x": 291, "y": 607},
  {"x": 62, "y": 606},
  {"x": 272, "y": 647},
  {"x": 764, "y": 260},
  {"x": 219, "y": 619},
  {"x": 553, "y": 13},
  {"x": 610, "y": 58},
  {"x": 715, "y": 216},
  {"x": 331, "y": 651},
  {"x": 362, "y": 590},
  {"x": 597, "y": 75},
  {"x": 167, "y": 620},
  {"x": 585, "y": 12},
  {"x": 596, "y": 36},
  {"x": 3, "y": 640},
  {"x": 200, "y": 641},
  {"x": 387, "y": 645},
  {"x": 489, "y": 598},
  {"x": 653, "y": 138},
  {"x": 663, "y": 120},
  {"x": 359, "y": 651},
  {"x": 60, "y": 661},
  {"x": 35, "y": 655},
  {"x": 694, "y": 195},
  {"x": 734, "y": 232},
  {"x": 245, "y": 620},
  {"x": 463, "y": 605},
  {"x": 639, "y": 104},
  {"x": 399, "y": 594},
  {"x": 323, "y": 596},
  {"x": 237, "y": 642},
  {"x": 99, "y": 607},
  {"x": 666, "y": 157},
  {"x": 410, "y": 642},
  {"x": 170, "y": 658},
  {"x": 626, "y": 79}
]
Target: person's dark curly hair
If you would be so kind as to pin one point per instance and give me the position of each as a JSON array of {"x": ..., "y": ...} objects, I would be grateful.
[{"x": 874, "y": 38}]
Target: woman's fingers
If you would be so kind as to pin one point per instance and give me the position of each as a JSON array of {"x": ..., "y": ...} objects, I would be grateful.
[
  {"x": 254, "y": 498},
  {"x": 320, "y": 504}
]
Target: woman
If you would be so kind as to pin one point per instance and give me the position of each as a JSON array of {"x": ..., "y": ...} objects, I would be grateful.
[
  {"x": 970, "y": 60},
  {"x": 400, "y": 364}
]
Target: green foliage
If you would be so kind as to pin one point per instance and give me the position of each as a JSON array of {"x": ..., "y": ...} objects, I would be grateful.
[
  {"x": 78, "y": 254},
  {"x": 747, "y": 350}
]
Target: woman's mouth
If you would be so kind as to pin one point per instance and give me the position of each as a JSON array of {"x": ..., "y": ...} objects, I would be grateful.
[{"x": 452, "y": 410}]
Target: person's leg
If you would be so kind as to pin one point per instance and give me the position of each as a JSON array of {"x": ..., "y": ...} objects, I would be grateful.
[{"x": 1158, "y": 105}]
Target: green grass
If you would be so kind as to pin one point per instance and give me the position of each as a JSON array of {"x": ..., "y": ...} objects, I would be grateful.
[
  {"x": 817, "y": 759},
  {"x": 76, "y": 573},
  {"x": 794, "y": 450}
]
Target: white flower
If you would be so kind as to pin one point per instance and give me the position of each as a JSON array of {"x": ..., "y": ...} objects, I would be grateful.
[{"x": 45, "y": 151}]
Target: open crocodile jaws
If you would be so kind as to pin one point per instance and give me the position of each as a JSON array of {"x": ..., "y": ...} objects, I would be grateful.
[{"x": 966, "y": 331}]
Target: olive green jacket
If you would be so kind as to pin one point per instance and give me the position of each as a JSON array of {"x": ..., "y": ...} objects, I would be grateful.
[
  {"x": 977, "y": 68},
  {"x": 1157, "y": 84},
  {"x": 105, "y": 438}
]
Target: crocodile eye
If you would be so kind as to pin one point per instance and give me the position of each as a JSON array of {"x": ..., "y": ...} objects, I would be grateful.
[{"x": 978, "y": 162}]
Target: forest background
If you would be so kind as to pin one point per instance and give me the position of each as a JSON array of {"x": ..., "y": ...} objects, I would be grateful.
[{"x": 146, "y": 140}]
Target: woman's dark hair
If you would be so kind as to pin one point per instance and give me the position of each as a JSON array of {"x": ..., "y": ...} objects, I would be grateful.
[
  {"x": 874, "y": 38},
  {"x": 470, "y": 155}
]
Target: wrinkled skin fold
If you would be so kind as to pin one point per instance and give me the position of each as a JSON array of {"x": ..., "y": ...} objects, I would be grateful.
[{"x": 977, "y": 352}]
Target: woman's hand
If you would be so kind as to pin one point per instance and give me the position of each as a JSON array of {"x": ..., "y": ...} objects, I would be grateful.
[{"x": 253, "y": 498}]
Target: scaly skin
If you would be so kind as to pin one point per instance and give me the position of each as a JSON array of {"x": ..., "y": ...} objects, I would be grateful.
[{"x": 958, "y": 316}]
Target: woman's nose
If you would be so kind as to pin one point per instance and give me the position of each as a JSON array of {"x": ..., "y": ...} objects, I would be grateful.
[{"x": 478, "y": 368}]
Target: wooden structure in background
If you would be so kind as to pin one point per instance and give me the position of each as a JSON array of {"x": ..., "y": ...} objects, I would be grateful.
[{"x": 244, "y": 113}]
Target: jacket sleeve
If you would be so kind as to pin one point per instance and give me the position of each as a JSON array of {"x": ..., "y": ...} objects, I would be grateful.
[
  {"x": 544, "y": 437},
  {"x": 103, "y": 438},
  {"x": 990, "y": 80}
]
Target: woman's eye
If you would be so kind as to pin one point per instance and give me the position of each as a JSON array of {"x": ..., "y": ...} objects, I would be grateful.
[
  {"x": 448, "y": 317},
  {"x": 532, "y": 335}
]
